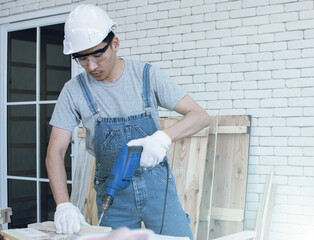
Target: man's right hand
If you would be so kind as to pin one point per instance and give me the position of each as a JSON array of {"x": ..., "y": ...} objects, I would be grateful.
[{"x": 68, "y": 218}]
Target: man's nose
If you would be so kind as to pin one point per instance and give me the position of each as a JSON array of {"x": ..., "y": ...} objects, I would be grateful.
[{"x": 92, "y": 65}]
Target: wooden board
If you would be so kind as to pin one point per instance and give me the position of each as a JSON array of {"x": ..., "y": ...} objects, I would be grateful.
[
  {"x": 90, "y": 206},
  {"x": 230, "y": 174},
  {"x": 49, "y": 228},
  {"x": 25, "y": 234},
  {"x": 187, "y": 159},
  {"x": 225, "y": 214},
  {"x": 5, "y": 215},
  {"x": 84, "y": 228},
  {"x": 81, "y": 173},
  {"x": 264, "y": 216}
]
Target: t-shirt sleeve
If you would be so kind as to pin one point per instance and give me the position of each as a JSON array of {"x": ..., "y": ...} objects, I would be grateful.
[
  {"x": 65, "y": 114},
  {"x": 168, "y": 93}
]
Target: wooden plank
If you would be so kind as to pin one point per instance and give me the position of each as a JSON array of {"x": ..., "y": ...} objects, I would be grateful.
[
  {"x": 205, "y": 201},
  {"x": 195, "y": 177},
  {"x": 81, "y": 132},
  {"x": 245, "y": 235},
  {"x": 230, "y": 174},
  {"x": 264, "y": 215},
  {"x": 229, "y": 130},
  {"x": 163, "y": 237},
  {"x": 265, "y": 211},
  {"x": 180, "y": 166},
  {"x": 81, "y": 175},
  {"x": 84, "y": 228},
  {"x": 5, "y": 213},
  {"x": 168, "y": 122},
  {"x": 24, "y": 234},
  {"x": 223, "y": 214},
  {"x": 187, "y": 157},
  {"x": 90, "y": 206},
  {"x": 269, "y": 212}
]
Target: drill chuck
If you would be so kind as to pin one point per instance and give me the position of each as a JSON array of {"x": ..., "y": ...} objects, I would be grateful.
[{"x": 107, "y": 201}]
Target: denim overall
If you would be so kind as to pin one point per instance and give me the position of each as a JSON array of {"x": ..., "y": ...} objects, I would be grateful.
[{"x": 143, "y": 200}]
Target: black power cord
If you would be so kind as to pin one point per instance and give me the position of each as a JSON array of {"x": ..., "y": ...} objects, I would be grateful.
[{"x": 165, "y": 164}]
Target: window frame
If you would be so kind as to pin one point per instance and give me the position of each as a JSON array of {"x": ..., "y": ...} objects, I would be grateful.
[{"x": 14, "y": 23}]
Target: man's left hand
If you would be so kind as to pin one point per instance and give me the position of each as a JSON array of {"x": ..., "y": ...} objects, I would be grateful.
[{"x": 155, "y": 148}]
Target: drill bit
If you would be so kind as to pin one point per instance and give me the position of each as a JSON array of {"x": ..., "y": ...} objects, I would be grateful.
[{"x": 101, "y": 216}]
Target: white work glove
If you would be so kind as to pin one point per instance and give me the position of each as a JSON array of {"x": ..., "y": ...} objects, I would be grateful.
[
  {"x": 68, "y": 218},
  {"x": 155, "y": 148}
]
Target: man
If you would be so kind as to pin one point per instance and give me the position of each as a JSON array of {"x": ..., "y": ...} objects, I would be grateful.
[{"x": 116, "y": 100}]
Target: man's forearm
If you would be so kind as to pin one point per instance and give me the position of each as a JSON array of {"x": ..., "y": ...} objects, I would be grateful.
[
  {"x": 58, "y": 144},
  {"x": 57, "y": 179},
  {"x": 190, "y": 124}
]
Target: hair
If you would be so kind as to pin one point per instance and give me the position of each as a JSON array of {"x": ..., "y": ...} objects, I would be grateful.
[{"x": 109, "y": 37}]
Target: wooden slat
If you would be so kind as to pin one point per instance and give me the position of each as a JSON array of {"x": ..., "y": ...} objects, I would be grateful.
[
  {"x": 84, "y": 228},
  {"x": 81, "y": 132},
  {"x": 245, "y": 235},
  {"x": 265, "y": 210},
  {"x": 230, "y": 173},
  {"x": 168, "y": 122},
  {"x": 5, "y": 215},
  {"x": 163, "y": 237},
  {"x": 264, "y": 215},
  {"x": 223, "y": 214},
  {"x": 80, "y": 180},
  {"x": 24, "y": 234},
  {"x": 229, "y": 130},
  {"x": 90, "y": 206},
  {"x": 187, "y": 159}
]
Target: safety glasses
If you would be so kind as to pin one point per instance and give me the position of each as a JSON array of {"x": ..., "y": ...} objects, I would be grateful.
[{"x": 96, "y": 56}]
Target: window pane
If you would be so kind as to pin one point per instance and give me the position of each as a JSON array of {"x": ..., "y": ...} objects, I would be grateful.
[
  {"x": 22, "y": 140},
  {"x": 45, "y": 130},
  {"x": 22, "y": 199},
  {"x": 55, "y": 67},
  {"x": 22, "y": 65}
]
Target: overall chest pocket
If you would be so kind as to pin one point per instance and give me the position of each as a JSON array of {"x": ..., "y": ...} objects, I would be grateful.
[{"x": 112, "y": 140}]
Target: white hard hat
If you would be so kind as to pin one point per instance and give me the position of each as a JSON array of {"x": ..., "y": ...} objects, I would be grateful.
[{"x": 86, "y": 26}]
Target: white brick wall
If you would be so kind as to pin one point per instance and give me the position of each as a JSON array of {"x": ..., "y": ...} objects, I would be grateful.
[{"x": 252, "y": 57}]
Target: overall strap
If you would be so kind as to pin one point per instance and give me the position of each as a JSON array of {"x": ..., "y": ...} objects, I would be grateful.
[
  {"x": 87, "y": 95},
  {"x": 146, "y": 89}
]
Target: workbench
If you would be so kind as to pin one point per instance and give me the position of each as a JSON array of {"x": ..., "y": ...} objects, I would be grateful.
[{"x": 47, "y": 231}]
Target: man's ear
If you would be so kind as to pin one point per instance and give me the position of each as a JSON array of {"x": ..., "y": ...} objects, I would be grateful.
[{"x": 115, "y": 44}]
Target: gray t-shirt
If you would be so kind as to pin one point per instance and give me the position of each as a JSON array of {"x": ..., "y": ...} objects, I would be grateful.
[{"x": 117, "y": 99}]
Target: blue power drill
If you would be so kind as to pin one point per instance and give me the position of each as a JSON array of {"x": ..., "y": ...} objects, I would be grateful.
[{"x": 127, "y": 161}]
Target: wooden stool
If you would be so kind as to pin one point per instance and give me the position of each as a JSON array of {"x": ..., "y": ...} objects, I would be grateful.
[{"x": 5, "y": 213}]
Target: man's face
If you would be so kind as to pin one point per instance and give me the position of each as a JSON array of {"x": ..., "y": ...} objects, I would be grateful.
[{"x": 99, "y": 60}]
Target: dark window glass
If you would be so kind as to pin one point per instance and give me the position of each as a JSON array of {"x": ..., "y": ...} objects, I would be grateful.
[
  {"x": 22, "y": 65},
  {"x": 55, "y": 68},
  {"x": 22, "y": 200},
  {"x": 22, "y": 140}
]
